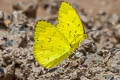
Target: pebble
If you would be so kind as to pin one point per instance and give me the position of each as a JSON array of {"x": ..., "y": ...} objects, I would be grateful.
[
  {"x": 78, "y": 54},
  {"x": 109, "y": 77},
  {"x": 84, "y": 18},
  {"x": 117, "y": 31},
  {"x": 74, "y": 63},
  {"x": 114, "y": 19},
  {"x": 117, "y": 78},
  {"x": 10, "y": 43},
  {"x": 89, "y": 46},
  {"x": 1, "y": 16},
  {"x": 28, "y": 9},
  {"x": 2, "y": 73},
  {"x": 74, "y": 76}
]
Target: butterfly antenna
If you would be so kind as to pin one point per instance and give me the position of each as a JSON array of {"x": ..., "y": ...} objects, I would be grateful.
[{"x": 91, "y": 31}]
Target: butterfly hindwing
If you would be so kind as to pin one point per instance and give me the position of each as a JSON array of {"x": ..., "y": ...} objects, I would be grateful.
[{"x": 50, "y": 47}]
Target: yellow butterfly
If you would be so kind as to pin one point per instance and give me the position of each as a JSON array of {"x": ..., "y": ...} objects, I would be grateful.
[{"x": 54, "y": 44}]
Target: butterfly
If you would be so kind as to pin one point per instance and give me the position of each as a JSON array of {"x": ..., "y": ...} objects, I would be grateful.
[{"x": 53, "y": 44}]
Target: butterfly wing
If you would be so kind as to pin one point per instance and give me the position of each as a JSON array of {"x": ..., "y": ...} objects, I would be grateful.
[
  {"x": 50, "y": 47},
  {"x": 70, "y": 25}
]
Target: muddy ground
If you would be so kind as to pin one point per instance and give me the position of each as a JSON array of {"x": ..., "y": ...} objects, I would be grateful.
[{"x": 97, "y": 58}]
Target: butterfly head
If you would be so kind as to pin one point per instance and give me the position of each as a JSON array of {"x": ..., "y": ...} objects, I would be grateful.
[
  {"x": 76, "y": 44},
  {"x": 85, "y": 36}
]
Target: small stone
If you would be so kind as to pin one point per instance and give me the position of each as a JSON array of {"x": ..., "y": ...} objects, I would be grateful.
[
  {"x": 98, "y": 25},
  {"x": 24, "y": 42},
  {"x": 2, "y": 72},
  {"x": 100, "y": 53},
  {"x": 118, "y": 78},
  {"x": 10, "y": 43},
  {"x": 102, "y": 12},
  {"x": 1, "y": 16},
  {"x": 109, "y": 77},
  {"x": 89, "y": 46},
  {"x": 74, "y": 76},
  {"x": 28, "y": 9},
  {"x": 84, "y": 18},
  {"x": 114, "y": 70},
  {"x": 18, "y": 16},
  {"x": 114, "y": 19},
  {"x": 2, "y": 23},
  {"x": 74, "y": 63},
  {"x": 14, "y": 29},
  {"x": 96, "y": 36},
  {"x": 78, "y": 54},
  {"x": 19, "y": 62},
  {"x": 113, "y": 62},
  {"x": 18, "y": 73},
  {"x": 117, "y": 31}
]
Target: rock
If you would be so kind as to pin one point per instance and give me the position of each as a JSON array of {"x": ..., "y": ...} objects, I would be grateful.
[
  {"x": 74, "y": 76},
  {"x": 114, "y": 62},
  {"x": 84, "y": 18},
  {"x": 74, "y": 63},
  {"x": 1, "y": 16},
  {"x": 18, "y": 16},
  {"x": 89, "y": 46},
  {"x": 78, "y": 54},
  {"x": 114, "y": 19},
  {"x": 117, "y": 31},
  {"x": 117, "y": 78},
  {"x": 28, "y": 9},
  {"x": 2, "y": 73},
  {"x": 109, "y": 77}
]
